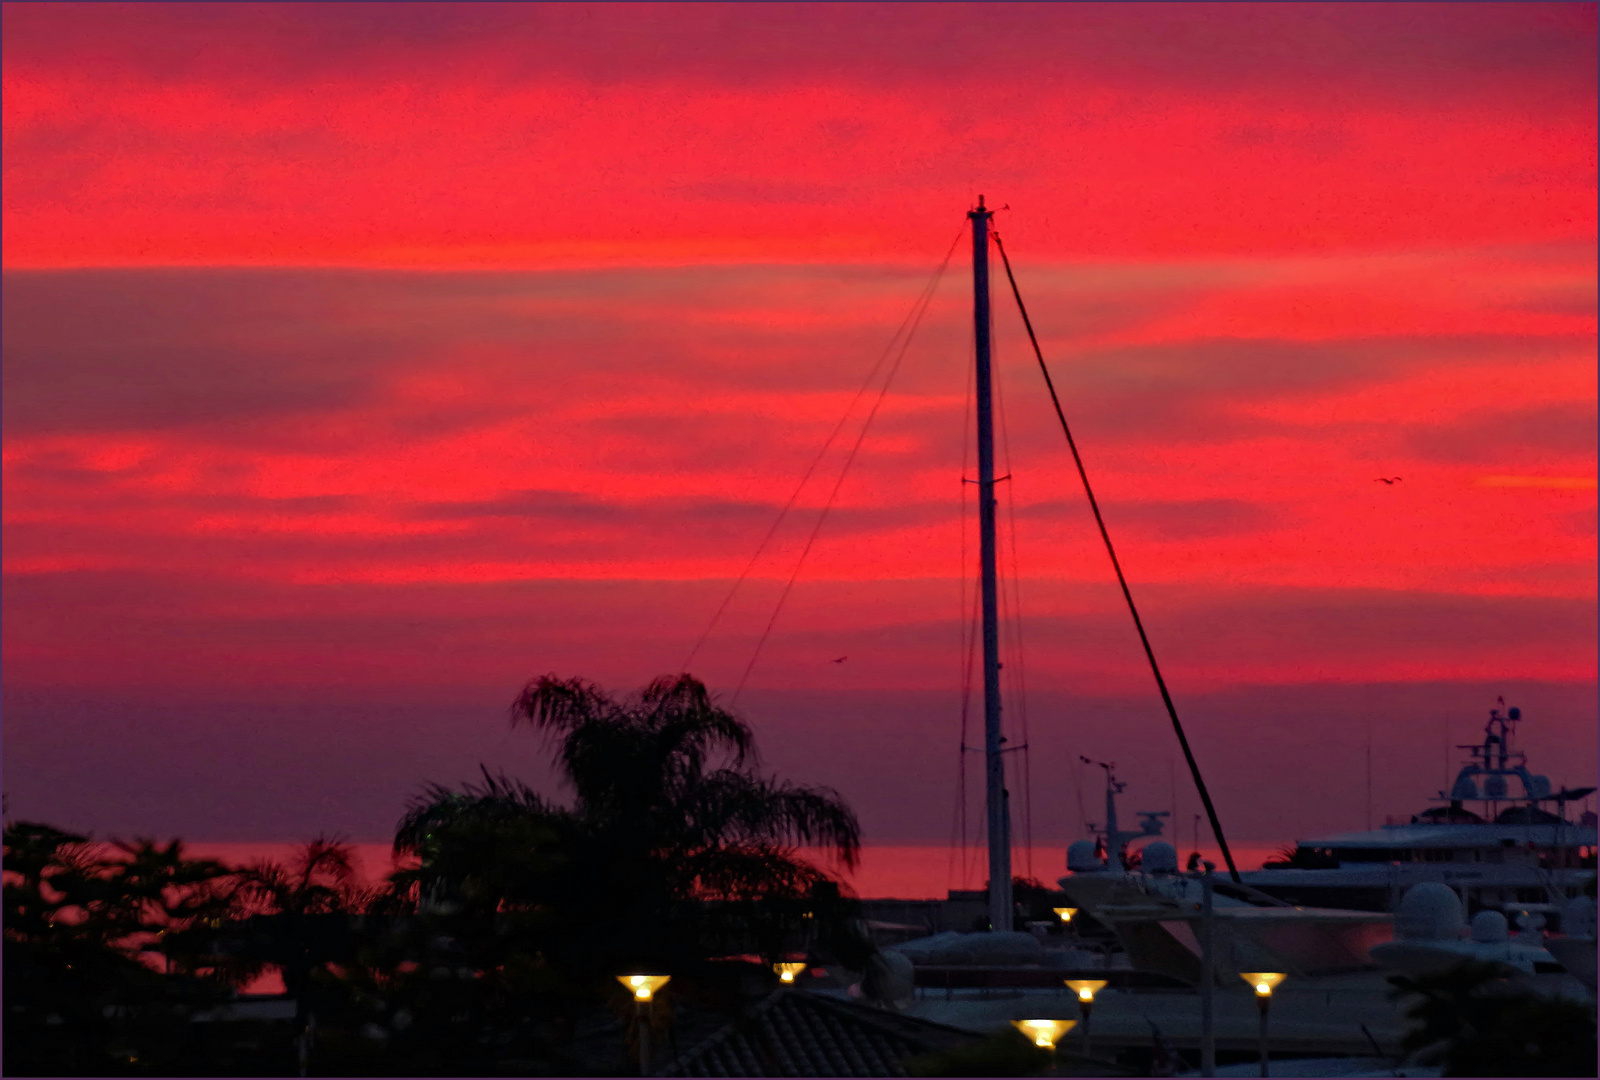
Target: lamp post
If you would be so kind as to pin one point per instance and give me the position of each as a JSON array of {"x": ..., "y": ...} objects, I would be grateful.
[
  {"x": 787, "y": 971},
  {"x": 1263, "y": 982},
  {"x": 1208, "y": 978},
  {"x": 1045, "y": 1033},
  {"x": 1086, "y": 989},
  {"x": 644, "y": 989},
  {"x": 1065, "y": 914}
]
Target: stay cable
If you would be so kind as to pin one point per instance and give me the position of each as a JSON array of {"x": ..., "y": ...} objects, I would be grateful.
[{"x": 1127, "y": 594}]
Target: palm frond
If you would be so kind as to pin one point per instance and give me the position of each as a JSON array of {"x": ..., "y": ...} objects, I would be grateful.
[
  {"x": 682, "y": 705},
  {"x": 325, "y": 857},
  {"x": 751, "y": 872},
  {"x": 558, "y": 705},
  {"x": 612, "y": 763},
  {"x": 498, "y": 798},
  {"x": 687, "y": 741},
  {"x": 744, "y": 808},
  {"x": 264, "y": 884}
]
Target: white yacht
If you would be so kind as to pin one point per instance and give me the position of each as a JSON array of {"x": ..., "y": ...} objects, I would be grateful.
[
  {"x": 1517, "y": 853},
  {"x": 1152, "y": 907},
  {"x": 1326, "y": 907}
]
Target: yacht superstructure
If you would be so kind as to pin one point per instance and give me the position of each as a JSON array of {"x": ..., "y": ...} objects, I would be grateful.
[
  {"x": 1152, "y": 906},
  {"x": 1513, "y": 854},
  {"x": 1326, "y": 906}
]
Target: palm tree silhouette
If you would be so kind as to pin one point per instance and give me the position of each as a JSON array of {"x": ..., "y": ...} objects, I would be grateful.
[
  {"x": 674, "y": 848},
  {"x": 304, "y": 909}
]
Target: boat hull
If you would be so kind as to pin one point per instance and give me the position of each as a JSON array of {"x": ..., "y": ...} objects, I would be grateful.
[{"x": 1157, "y": 923}]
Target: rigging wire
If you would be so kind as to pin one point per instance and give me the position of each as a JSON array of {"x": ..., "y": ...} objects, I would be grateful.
[
  {"x": 919, "y": 310},
  {"x": 971, "y": 623},
  {"x": 1012, "y": 619},
  {"x": 965, "y": 656},
  {"x": 956, "y": 850},
  {"x": 1144, "y": 639},
  {"x": 872, "y": 374},
  {"x": 974, "y": 621}
]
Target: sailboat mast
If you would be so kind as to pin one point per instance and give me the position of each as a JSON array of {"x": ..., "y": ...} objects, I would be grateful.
[{"x": 999, "y": 813}]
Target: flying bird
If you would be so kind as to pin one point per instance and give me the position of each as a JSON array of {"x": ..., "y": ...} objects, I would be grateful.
[
  {"x": 1386, "y": 480},
  {"x": 840, "y": 659}
]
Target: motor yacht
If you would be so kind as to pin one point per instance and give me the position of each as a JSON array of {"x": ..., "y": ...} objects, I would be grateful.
[
  {"x": 1500, "y": 838},
  {"x": 1154, "y": 909},
  {"x": 1326, "y": 906}
]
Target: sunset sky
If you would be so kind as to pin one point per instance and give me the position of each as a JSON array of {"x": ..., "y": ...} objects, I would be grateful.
[{"x": 363, "y": 361}]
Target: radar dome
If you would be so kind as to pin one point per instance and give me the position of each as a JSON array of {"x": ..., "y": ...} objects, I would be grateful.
[
  {"x": 1159, "y": 857},
  {"x": 1081, "y": 856},
  {"x": 1429, "y": 912},
  {"x": 1489, "y": 928}
]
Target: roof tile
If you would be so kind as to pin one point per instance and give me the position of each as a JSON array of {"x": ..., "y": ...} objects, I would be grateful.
[{"x": 795, "y": 1033}]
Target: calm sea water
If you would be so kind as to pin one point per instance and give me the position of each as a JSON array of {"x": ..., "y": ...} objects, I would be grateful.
[{"x": 904, "y": 871}]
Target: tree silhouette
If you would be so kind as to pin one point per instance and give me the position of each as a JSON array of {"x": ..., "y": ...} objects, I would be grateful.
[
  {"x": 108, "y": 951},
  {"x": 673, "y": 849},
  {"x": 1470, "y": 1021},
  {"x": 489, "y": 952},
  {"x": 300, "y": 920}
]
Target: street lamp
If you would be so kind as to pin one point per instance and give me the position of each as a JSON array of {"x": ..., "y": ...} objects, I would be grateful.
[
  {"x": 787, "y": 972},
  {"x": 1044, "y": 1033},
  {"x": 1086, "y": 989},
  {"x": 1066, "y": 914},
  {"x": 644, "y": 989},
  {"x": 1263, "y": 982}
]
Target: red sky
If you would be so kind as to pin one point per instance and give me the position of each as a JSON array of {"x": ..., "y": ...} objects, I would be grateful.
[{"x": 364, "y": 360}]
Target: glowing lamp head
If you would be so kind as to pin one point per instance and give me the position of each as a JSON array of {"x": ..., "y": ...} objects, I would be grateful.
[
  {"x": 1263, "y": 982},
  {"x": 1044, "y": 1033},
  {"x": 1086, "y": 989},
  {"x": 644, "y": 987},
  {"x": 1066, "y": 913},
  {"x": 787, "y": 972}
]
